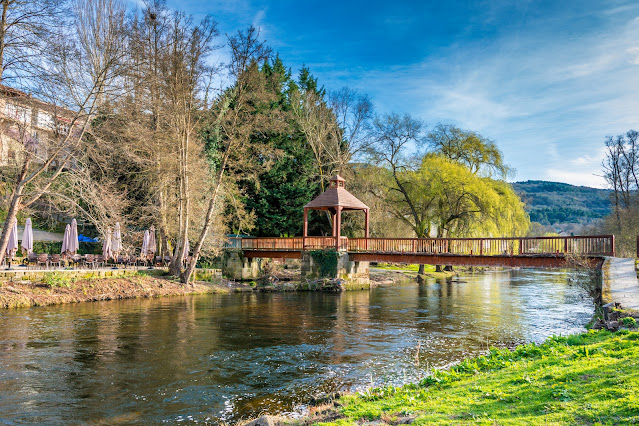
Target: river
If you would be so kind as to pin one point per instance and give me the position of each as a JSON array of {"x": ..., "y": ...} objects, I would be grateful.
[{"x": 225, "y": 357}]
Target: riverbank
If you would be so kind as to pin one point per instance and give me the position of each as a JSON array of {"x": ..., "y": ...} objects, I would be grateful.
[
  {"x": 59, "y": 288},
  {"x": 590, "y": 378}
]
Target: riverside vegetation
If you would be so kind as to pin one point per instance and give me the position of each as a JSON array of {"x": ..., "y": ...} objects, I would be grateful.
[{"x": 590, "y": 378}]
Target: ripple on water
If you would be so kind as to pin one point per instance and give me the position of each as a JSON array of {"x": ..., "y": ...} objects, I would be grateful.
[{"x": 224, "y": 357}]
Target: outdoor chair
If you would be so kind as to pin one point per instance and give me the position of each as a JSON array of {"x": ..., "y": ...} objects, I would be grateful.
[
  {"x": 121, "y": 261},
  {"x": 132, "y": 261},
  {"x": 32, "y": 259},
  {"x": 55, "y": 258},
  {"x": 99, "y": 261},
  {"x": 43, "y": 259},
  {"x": 89, "y": 260},
  {"x": 77, "y": 260}
]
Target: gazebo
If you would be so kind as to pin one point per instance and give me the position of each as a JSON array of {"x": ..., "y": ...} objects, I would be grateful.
[{"x": 335, "y": 200}]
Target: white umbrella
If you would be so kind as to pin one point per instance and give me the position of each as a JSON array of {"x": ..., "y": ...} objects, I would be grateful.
[
  {"x": 116, "y": 242},
  {"x": 106, "y": 246},
  {"x": 12, "y": 245},
  {"x": 74, "y": 244},
  {"x": 151, "y": 246},
  {"x": 27, "y": 238},
  {"x": 65, "y": 240},
  {"x": 145, "y": 244}
]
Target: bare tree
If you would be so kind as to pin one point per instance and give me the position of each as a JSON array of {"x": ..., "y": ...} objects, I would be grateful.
[
  {"x": 318, "y": 124},
  {"x": 621, "y": 170},
  {"x": 237, "y": 121},
  {"x": 185, "y": 72},
  {"x": 353, "y": 114},
  {"x": 82, "y": 67},
  {"x": 26, "y": 28}
]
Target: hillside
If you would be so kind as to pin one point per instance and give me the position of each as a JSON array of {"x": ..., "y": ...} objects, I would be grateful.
[{"x": 560, "y": 205}]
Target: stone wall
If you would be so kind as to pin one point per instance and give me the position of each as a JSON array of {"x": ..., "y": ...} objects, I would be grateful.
[
  {"x": 354, "y": 274},
  {"x": 237, "y": 267},
  {"x": 38, "y": 275}
]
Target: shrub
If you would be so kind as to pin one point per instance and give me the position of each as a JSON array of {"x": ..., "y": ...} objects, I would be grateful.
[{"x": 56, "y": 279}]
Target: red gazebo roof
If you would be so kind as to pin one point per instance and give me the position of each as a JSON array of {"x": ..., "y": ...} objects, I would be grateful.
[{"x": 336, "y": 196}]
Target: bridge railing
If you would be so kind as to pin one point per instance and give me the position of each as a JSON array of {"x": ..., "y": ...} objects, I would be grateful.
[
  {"x": 286, "y": 243},
  {"x": 597, "y": 245}
]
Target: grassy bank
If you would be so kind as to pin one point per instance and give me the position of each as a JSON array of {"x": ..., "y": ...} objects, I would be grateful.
[
  {"x": 592, "y": 378},
  {"x": 411, "y": 270},
  {"x": 57, "y": 288}
]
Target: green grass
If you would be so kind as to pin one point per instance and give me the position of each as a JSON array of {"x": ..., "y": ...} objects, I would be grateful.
[
  {"x": 592, "y": 378},
  {"x": 402, "y": 267}
]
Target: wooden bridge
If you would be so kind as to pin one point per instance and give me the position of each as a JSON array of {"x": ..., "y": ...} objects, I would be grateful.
[{"x": 514, "y": 251}]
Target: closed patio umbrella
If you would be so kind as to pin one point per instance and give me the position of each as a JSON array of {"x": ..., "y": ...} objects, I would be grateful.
[
  {"x": 152, "y": 244},
  {"x": 145, "y": 244},
  {"x": 106, "y": 246},
  {"x": 65, "y": 240},
  {"x": 74, "y": 244},
  {"x": 116, "y": 241},
  {"x": 12, "y": 245},
  {"x": 27, "y": 238}
]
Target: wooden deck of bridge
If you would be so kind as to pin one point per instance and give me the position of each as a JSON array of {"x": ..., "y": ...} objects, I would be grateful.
[{"x": 513, "y": 251}]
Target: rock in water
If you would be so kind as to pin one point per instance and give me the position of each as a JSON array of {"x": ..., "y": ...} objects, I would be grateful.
[{"x": 263, "y": 421}]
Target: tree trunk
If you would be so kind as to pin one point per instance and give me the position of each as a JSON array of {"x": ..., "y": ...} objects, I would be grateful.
[
  {"x": 8, "y": 223},
  {"x": 185, "y": 276},
  {"x": 14, "y": 207}
]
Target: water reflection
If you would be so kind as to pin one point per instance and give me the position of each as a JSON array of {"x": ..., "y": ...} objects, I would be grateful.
[{"x": 227, "y": 356}]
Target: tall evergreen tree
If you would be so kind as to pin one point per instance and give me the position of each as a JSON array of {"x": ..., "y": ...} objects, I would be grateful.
[{"x": 278, "y": 196}]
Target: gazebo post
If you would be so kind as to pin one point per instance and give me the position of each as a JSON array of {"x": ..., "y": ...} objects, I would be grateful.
[
  {"x": 338, "y": 227},
  {"x": 305, "y": 232},
  {"x": 366, "y": 227},
  {"x": 333, "y": 223}
]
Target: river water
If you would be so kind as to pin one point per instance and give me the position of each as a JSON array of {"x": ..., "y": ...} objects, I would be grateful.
[{"x": 224, "y": 357}]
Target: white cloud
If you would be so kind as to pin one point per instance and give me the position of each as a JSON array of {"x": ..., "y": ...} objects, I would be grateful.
[
  {"x": 575, "y": 178},
  {"x": 257, "y": 21},
  {"x": 547, "y": 102}
]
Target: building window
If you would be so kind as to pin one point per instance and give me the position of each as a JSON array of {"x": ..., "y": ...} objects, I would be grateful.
[
  {"x": 45, "y": 120},
  {"x": 18, "y": 113}
]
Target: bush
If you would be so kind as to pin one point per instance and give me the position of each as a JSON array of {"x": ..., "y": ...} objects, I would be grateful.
[
  {"x": 55, "y": 279},
  {"x": 327, "y": 261}
]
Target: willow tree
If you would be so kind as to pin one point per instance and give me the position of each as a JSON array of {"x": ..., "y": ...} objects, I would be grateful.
[
  {"x": 475, "y": 151},
  {"x": 466, "y": 205},
  {"x": 438, "y": 195}
]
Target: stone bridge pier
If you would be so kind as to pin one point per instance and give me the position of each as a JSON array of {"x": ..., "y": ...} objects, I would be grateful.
[
  {"x": 335, "y": 265},
  {"x": 239, "y": 267}
]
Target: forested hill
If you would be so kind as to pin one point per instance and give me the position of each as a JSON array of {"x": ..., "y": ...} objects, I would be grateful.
[{"x": 557, "y": 204}]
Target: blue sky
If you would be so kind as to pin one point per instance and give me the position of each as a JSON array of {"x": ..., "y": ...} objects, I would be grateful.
[{"x": 546, "y": 80}]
